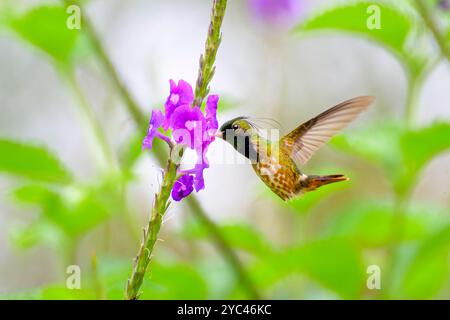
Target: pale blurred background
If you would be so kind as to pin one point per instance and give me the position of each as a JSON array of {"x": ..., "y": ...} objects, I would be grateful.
[{"x": 264, "y": 71}]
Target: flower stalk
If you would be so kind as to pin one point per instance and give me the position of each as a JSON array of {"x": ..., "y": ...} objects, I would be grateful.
[
  {"x": 140, "y": 120},
  {"x": 160, "y": 205},
  {"x": 162, "y": 202},
  {"x": 207, "y": 68}
]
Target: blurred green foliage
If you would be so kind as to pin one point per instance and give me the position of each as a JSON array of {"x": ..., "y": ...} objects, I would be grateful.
[
  {"x": 353, "y": 17},
  {"x": 428, "y": 271},
  {"x": 31, "y": 162},
  {"x": 335, "y": 263},
  {"x": 334, "y": 259},
  {"x": 42, "y": 28},
  {"x": 369, "y": 224},
  {"x": 401, "y": 152}
]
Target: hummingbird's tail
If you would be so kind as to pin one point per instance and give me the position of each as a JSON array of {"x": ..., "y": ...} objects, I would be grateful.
[{"x": 313, "y": 182}]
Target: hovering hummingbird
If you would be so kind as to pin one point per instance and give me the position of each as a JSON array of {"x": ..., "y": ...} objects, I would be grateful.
[{"x": 277, "y": 162}]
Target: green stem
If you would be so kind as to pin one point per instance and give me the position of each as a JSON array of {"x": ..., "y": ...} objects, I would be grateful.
[
  {"x": 402, "y": 196},
  {"x": 92, "y": 120},
  {"x": 69, "y": 248},
  {"x": 143, "y": 258},
  {"x": 141, "y": 121},
  {"x": 397, "y": 230},
  {"x": 98, "y": 287},
  {"x": 218, "y": 238},
  {"x": 245, "y": 281},
  {"x": 103, "y": 147},
  {"x": 415, "y": 82},
  {"x": 427, "y": 17},
  {"x": 214, "y": 37},
  {"x": 413, "y": 93},
  {"x": 133, "y": 108},
  {"x": 417, "y": 79}
]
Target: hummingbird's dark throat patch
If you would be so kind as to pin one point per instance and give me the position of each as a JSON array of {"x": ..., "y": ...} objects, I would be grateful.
[
  {"x": 243, "y": 145},
  {"x": 235, "y": 133}
]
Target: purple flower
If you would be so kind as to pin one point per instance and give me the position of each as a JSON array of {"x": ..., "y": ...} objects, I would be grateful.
[
  {"x": 210, "y": 127},
  {"x": 444, "y": 4},
  {"x": 278, "y": 13},
  {"x": 188, "y": 125},
  {"x": 211, "y": 114},
  {"x": 180, "y": 94},
  {"x": 182, "y": 187},
  {"x": 190, "y": 128},
  {"x": 156, "y": 122},
  {"x": 196, "y": 173}
]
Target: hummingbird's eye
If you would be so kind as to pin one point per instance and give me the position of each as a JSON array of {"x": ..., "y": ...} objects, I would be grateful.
[{"x": 235, "y": 127}]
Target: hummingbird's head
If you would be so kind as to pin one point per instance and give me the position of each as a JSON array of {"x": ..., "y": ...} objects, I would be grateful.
[
  {"x": 237, "y": 132},
  {"x": 235, "y": 127}
]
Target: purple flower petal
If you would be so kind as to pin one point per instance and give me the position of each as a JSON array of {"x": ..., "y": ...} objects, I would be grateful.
[
  {"x": 211, "y": 113},
  {"x": 180, "y": 94},
  {"x": 197, "y": 174},
  {"x": 156, "y": 122},
  {"x": 183, "y": 187},
  {"x": 188, "y": 126},
  {"x": 191, "y": 128},
  {"x": 199, "y": 182},
  {"x": 185, "y": 92}
]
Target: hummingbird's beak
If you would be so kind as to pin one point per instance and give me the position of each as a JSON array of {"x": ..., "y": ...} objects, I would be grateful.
[{"x": 219, "y": 134}]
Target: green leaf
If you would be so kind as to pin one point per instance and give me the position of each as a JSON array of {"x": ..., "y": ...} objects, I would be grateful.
[
  {"x": 174, "y": 281},
  {"x": 32, "y": 162},
  {"x": 428, "y": 273},
  {"x": 45, "y": 27},
  {"x": 86, "y": 215},
  {"x": 73, "y": 211},
  {"x": 336, "y": 264},
  {"x": 63, "y": 293},
  {"x": 394, "y": 32},
  {"x": 369, "y": 224},
  {"x": 35, "y": 234},
  {"x": 401, "y": 152},
  {"x": 377, "y": 143},
  {"x": 422, "y": 145}
]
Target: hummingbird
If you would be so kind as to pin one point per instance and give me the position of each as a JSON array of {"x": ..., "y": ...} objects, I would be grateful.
[{"x": 277, "y": 163}]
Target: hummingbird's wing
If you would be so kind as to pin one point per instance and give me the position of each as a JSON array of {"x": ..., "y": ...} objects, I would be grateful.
[{"x": 311, "y": 135}]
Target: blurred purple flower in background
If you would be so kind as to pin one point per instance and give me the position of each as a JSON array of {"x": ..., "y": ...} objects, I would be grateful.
[
  {"x": 277, "y": 13},
  {"x": 190, "y": 128},
  {"x": 444, "y": 4}
]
